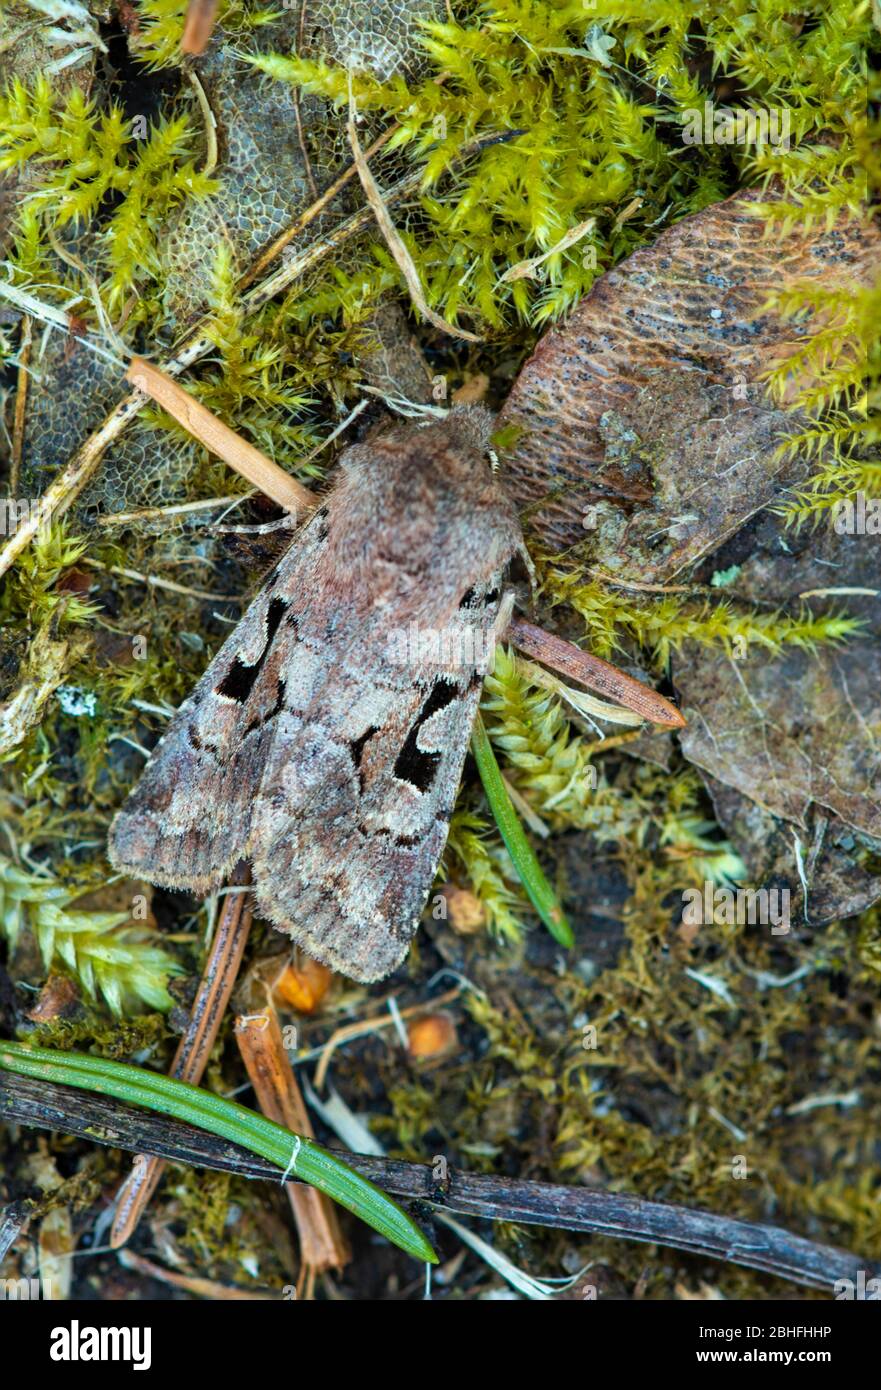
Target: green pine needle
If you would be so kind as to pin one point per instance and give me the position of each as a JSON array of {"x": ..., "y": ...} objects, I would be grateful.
[
  {"x": 541, "y": 894},
  {"x": 298, "y": 1157}
]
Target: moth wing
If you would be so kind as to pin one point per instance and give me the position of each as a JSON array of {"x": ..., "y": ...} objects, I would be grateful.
[
  {"x": 188, "y": 820},
  {"x": 348, "y": 833}
]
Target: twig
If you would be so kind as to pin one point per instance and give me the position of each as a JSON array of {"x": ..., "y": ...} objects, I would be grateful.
[
  {"x": 205, "y": 426},
  {"x": 60, "y": 318},
  {"x": 154, "y": 582},
  {"x": 208, "y": 116},
  {"x": 392, "y": 236},
  {"x": 350, "y": 1031},
  {"x": 199, "y": 26},
  {"x": 194, "y": 1049},
  {"x": 617, "y": 1215},
  {"x": 21, "y": 399},
  {"x": 591, "y": 671},
  {"x": 207, "y": 504},
  {"x": 298, "y": 115},
  {"x": 287, "y": 236},
  {"x": 202, "y": 1288},
  {"x": 526, "y": 269}
]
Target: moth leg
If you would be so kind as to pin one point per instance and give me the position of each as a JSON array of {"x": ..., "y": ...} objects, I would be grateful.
[{"x": 289, "y": 522}]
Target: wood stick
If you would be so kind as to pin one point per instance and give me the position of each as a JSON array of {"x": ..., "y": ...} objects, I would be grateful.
[
  {"x": 194, "y": 1049},
  {"x": 199, "y": 25},
  {"x": 322, "y": 1245},
  {"x": 593, "y": 672},
  {"x": 21, "y": 400},
  {"x": 205, "y": 426},
  {"x": 616, "y": 1215}
]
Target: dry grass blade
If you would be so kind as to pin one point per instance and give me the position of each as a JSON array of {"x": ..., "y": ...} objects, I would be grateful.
[
  {"x": 592, "y": 671},
  {"x": 392, "y": 236},
  {"x": 322, "y": 1245},
  {"x": 203, "y": 425}
]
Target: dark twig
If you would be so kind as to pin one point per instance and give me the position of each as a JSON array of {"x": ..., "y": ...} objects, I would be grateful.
[
  {"x": 206, "y": 1015},
  {"x": 766, "y": 1248}
]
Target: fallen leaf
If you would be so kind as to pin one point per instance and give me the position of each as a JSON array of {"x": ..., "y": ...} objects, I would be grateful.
[{"x": 645, "y": 430}]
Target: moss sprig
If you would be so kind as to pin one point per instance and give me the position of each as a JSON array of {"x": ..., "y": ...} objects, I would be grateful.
[
  {"x": 83, "y": 161},
  {"x": 487, "y": 866},
  {"x": 661, "y": 625},
  {"x": 117, "y": 963}
]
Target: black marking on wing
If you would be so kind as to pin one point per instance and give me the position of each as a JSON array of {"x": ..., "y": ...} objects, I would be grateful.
[
  {"x": 399, "y": 841},
  {"x": 276, "y": 709},
  {"x": 413, "y": 764},
  {"x": 469, "y": 597},
  {"x": 356, "y": 748},
  {"x": 240, "y": 679}
]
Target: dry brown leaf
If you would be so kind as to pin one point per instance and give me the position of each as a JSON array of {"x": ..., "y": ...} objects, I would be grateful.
[
  {"x": 791, "y": 746},
  {"x": 646, "y": 431}
]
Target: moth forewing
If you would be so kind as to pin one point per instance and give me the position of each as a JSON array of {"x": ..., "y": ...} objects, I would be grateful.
[
  {"x": 326, "y": 739},
  {"x": 186, "y": 822}
]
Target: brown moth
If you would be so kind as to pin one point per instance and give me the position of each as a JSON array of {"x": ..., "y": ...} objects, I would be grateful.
[{"x": 325, "y": 741}]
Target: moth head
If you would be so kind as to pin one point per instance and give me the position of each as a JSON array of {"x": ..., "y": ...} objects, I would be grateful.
[
  {"x": 472, "y": 424},
  {"x": 466, "y": 426}
]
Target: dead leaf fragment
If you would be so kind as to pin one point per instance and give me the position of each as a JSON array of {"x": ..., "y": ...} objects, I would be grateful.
[{"x": 645, "y": 430}]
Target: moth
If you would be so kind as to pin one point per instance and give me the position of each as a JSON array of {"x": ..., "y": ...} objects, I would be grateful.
[{"x": 325, "y": 741}]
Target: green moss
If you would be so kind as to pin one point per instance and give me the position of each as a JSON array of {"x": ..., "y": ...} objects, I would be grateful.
[
  {"x": 480, "y": 854},
  {"x": 78, "y": 159},
  {"x": 593, "y": 102},
  {"x": 662, "y": 625},
  {"x": 120, "y": 964},
  {"x": 30, "y": 594}
]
